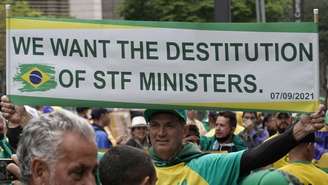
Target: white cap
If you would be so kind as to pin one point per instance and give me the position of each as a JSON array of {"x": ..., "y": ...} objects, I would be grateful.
[
  {"x": 316, "y": 11},
  {"x": 138, "y": 121}
]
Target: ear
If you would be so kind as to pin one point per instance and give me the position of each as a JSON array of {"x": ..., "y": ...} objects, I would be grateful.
[
  {"x": 146, "y": 181},
  {"x": 40, "y": 171}
]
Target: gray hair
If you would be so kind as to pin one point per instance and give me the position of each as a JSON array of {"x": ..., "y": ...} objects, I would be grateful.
[{"x": 41, "y": 137}]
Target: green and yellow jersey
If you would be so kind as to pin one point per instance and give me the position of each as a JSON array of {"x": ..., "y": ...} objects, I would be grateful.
[
  {"x": 306, "y": 172},
  {"x": 191, "y": 167}
]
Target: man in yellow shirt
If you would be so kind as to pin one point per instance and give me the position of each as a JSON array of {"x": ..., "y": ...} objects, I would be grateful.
[{"x": 301, "y": 164}]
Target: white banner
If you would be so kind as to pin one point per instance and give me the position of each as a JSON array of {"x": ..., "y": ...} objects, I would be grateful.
[{"x": 142, "y": 66}]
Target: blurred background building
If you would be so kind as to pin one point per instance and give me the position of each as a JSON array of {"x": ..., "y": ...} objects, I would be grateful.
[{"x": 82, "y": 9}]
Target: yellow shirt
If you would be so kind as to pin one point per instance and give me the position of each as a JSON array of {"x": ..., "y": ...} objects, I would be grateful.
[
  {"x": 323, "y": 161},
  {"x": 282, "y": 161},
  {"x": 307, "y": 173}
]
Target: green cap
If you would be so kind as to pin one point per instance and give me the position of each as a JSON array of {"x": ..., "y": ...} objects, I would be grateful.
[
  {"x": 181, "y": 114},
  {"x": 270, "y": 177}
]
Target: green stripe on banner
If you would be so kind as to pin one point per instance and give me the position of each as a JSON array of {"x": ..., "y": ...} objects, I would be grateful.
[
  {"x": 30, "y": 100},
  {"x": 302, "y": 27}
]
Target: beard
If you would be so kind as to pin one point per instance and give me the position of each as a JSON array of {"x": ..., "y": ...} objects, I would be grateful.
[{"x": 224, "y": 139}]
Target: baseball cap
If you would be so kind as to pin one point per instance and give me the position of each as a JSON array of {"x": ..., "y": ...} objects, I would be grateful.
[
  {"x": 138, "y": 121},
  {"x": 181, "y": 114},
  {"x": 270, "y": 177}
]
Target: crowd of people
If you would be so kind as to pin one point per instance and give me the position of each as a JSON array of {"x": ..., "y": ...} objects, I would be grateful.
[{"x": 165, "y": 147}]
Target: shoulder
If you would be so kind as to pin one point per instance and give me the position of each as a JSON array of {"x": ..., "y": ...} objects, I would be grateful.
[
  {"x": 210, "y": 159},
  {"x": 218, "y": 168},
  {"x": 101, "y": 134},
  {"x": 206, "y": 142},
  {"x": 131, "y": 142},
  {"x": 206, "y": 139}
]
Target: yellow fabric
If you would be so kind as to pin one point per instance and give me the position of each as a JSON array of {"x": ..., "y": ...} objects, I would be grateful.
[
  {"x": 239, "y": 115},
  {"x": 110, "y": 135},
  {"x": 307, "y": 173},
  {"x": 238, "y": 129},
  {"x": 210, "y": 133},
  {"x": 323, "y": 161},
  {"x": 173, "y": 175},
  {"x": 275, "y": 135},
  {"x": 282, "y": 161},
  {"x": 325, "y": 128}
]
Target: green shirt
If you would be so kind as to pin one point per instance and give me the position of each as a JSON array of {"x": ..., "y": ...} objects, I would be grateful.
[
  {"x": 201, "y": 169},
  {"x": 207, "y": 143}
]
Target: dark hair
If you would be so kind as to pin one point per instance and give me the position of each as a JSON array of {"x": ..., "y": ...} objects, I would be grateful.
[
  {"x": 267, "y": 116},
  {"x": 125, "y": 165},
  {"x": 280, "y": 115},
  {"x": 82, "y": 109},
  {"x": 193, "y": 129},
  {"x": 96, "y": 113},
  {"x": 231, "y": 116},
  {"x": 213, "y": 114},
  {"x": 255, "y": 114}
]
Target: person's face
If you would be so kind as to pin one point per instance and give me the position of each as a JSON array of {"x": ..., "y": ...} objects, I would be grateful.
[
  {"x": 166, "y": 133},
  {"x": 271, "y": 124},
  {"x": 139, "y": 133},
  {"x": 105, "y": 119},
  {"x": 249, "y": 120},
  {"x": 77, "y": 162},
  {"x": 222, "y": 127},
  {"x": 283, "y": 122}
]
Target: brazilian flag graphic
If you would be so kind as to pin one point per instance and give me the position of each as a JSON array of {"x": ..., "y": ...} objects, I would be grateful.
[{"x": 36, "y": 77}]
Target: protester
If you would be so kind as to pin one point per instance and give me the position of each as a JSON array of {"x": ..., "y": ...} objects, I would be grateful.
[
  {"x": 178, "y": 163},
  {"x": 139, "y": 133},
  {"x": 270, "y": 124},
  {"x": 253, "y": 134},
  {"x": 17, "y": 117},
  {"x": 301, "y": 165},
  {"x": 212, "y": 115},
  {"x": 192, "y": 135},
  {"x": 125, "y": 165},
  {"x": 100, "y": 120},
  {"x": 84, "y": 112},
  {"x": 284, "y": 120},
  {"x": 192, "y": 120},
  {"x": 58, "y": 148},
  {"x": 239, "y": 128},
  {"x": 224, "y": 139}
]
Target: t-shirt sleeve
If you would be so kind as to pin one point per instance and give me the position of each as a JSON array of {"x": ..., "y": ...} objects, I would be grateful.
[
  {"x": 102, "y": 140},
  {"x": 223, "y": 169}
]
